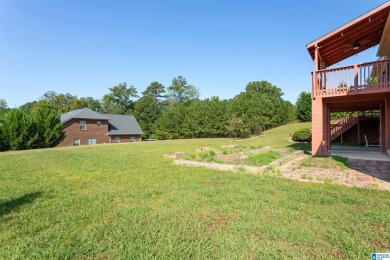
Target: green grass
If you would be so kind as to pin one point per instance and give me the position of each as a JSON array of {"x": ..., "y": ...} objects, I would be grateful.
[
  {"x": 325, "y": 162},
  {"x": 307, "y": 176},
  {"x": 128, "y": 201},
  {"x": 263, "y": 158}
]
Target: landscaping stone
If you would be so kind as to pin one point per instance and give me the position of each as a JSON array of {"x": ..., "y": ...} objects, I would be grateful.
[
  {"x": 231, "y": 146},
  {"x": 220, "y": 166},
  {"x": 361, "y": 173},
  {"x": 175, "y": 155}
]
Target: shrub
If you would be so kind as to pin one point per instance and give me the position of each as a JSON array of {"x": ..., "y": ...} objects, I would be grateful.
[
  {"x": 302, "y": 135},
  {"x": 203, "y": 155}
]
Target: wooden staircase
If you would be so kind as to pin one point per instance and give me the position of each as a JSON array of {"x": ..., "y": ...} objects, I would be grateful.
[
  {"x": 343, "y": 125},
  {"x": 349, "y": 121}
]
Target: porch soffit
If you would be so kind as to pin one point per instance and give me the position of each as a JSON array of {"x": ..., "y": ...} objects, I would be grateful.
[
  {"x": 356, "y": 105},
  {"x": 362, "y": 33},
  {"x": 384, "y": 46}
]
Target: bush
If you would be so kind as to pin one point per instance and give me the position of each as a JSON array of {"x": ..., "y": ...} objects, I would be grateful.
[
  {"x": 302, "y": 135},
  {"x": 20, "y": 130}
]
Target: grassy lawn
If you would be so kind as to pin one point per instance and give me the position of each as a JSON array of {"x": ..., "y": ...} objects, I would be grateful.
[
  {"x": 127, "y": 201},
  {"x": 326, "y": 162},
  {"x": 263, "y": 158}
]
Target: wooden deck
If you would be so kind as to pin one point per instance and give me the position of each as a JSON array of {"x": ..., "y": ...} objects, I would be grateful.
[{"x": 366, "y": 78}]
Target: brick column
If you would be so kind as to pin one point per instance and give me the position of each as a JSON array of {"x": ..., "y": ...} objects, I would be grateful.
[{"x": 317, "y": 127}]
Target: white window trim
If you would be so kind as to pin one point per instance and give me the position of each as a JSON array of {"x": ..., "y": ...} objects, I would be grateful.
[
  {"x": 85, "y": 125},
  {"x": 74, "y": 141},
  {"x": 92, "y": 139},
  {"x": 98, "y": 123}
]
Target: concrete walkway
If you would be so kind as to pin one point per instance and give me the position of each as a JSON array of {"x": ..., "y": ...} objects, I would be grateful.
[{"x": 359, "y": 153}]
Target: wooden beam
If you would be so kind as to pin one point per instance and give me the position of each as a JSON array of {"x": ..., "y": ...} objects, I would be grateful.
[
  {"x": 384, "y": 46},
  {"x": 316, "y": 58}
]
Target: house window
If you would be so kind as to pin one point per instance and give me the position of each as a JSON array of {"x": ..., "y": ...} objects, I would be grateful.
[
  {"x": 117, "y": 139},
  {"x": 83, "y": 125},
  {"x": 76, "y": 142},
  {"x": 98, "y": 123},
  {"x": 91, "y": 141},
  {"x": 132, "y": 139}
]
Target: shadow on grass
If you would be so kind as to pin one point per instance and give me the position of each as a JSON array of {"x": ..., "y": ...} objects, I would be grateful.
[
  {"x": 342, "y": 160},
  {"x": 300, "y": 146},
  {"x": 9, "y": 206},
  {"x": 373, "y": 168}
]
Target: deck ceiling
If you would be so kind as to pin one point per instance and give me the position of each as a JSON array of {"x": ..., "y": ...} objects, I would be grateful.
[
  {"x": 355, "y": 106},
  {"x": 384, "y": 46},
  {"x": 364, "y": 32}
]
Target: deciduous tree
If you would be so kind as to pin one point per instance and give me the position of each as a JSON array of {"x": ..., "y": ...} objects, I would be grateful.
[
  {"x": 119, "y": 100},
  {"x": 303, "y": 107}
]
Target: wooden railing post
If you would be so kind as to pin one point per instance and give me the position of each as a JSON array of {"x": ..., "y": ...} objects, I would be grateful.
[
  {"x": 356, "y": 77},
  {"x": 313, "y": 85}
]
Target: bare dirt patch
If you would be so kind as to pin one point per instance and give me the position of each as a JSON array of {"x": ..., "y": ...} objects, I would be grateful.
[{"x": 175, "y": 155}]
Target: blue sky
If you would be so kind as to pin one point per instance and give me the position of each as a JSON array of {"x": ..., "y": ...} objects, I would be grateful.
[{"x": 85, "y": 47}]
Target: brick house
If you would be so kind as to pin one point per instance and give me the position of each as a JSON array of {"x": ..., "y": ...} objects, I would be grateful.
[
  {"x": 87, "y": 127},
  {"x": 354, "y": 89}
]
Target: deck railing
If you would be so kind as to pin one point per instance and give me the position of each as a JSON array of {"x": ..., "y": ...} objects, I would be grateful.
[{"x": 371, "y": 76}]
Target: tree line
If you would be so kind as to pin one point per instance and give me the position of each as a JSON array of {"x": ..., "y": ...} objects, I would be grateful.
[{"x": 163, "y": 112}]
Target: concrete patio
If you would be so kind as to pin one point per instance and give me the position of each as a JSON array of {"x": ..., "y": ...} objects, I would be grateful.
[{"x": 359, "y": 153}]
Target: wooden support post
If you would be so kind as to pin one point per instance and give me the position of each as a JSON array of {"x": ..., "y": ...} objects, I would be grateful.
[
  {"x": 313, "y": 86},
  {"x": 316, "y": 58},
  {"x": 356, "y": 77},
  {"x": 358, "y": 132},
  {"x": 382, "y": 127},
  {"x": 387, "y": 126},
  {"x": 327, "y": 128}
]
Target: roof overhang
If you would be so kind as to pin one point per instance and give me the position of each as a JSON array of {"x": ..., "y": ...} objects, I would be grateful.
[
  {"x": 384, "y": 46},
  {"x": 84, "y": 118},
  {"x": 354, "y": 37}
]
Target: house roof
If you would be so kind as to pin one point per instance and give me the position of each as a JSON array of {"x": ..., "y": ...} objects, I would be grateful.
[
  {"x": 362, "y": 33},
  {"x": 84, "y": 113},
  {"x": 117, "y": 124},
  {"x": 123, "y": 124}
]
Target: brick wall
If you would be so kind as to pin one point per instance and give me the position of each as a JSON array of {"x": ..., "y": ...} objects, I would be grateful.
[
  {"x": 126, "y": 138},
  {"x": 72, "y": 131}
]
